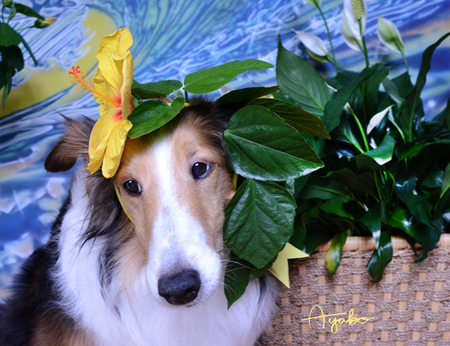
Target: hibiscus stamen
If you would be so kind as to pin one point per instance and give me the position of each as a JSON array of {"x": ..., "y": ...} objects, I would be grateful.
[{"x": 79, "y": 77}]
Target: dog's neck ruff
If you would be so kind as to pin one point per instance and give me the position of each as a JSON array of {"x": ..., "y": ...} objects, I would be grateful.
[{"x": 116, "y": 317}]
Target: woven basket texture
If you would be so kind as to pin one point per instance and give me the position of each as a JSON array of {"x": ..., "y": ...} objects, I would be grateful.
[{"x": 409, "y": 306}]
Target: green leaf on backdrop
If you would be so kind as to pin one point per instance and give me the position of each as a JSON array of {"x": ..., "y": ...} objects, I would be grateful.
[
  {"x": 9, "y": 36},
  {"x": 336, "y": 206},
  {"x": 334, "y": 254},
  {"x": 238, "y": 274},
  {"x": 427, "y": 237},
  {"x": 210, "y": 79},
  {"x": 323, "y": 188},
  {"x": 334, "y": 108},
  {"x": 246, "y": 94},
  {"x": 372, "y": 220},
  {"x": 151, "y": 115},
  {"x": 155, "y": 89},
  {"x": 383, "y": 153},
  {"x": 380, "y": 257},
  {"x": 280, "y": 156},
  {"x": 296, "y": 117},
  {"x": 301, "y": 82},
  {"x": 13, "y": 56},
  {"x": 405, "y": 185},
  {"x": 259, "y": 220},
  {"x": 27, "y": 11},
  {"x": 402, "y": 219},
  {"x": 412, "y": 101}
]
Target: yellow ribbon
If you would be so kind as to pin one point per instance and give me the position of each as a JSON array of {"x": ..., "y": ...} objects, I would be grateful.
[{"x": 119, "y": 197}]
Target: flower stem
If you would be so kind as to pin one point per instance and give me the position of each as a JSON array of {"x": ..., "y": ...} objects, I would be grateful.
[
  {"x": 363, "y": 134},
  {"x": 364, "y": 50},
  {"x": 329, "y": 36}
]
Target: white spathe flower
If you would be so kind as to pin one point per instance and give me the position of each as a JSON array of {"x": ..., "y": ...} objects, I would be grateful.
[
  {"x": 355, "y": 11},
  {"x": 315, "y": 3},
  {"x": 316, "y": 48},
  {"x": 389, "y": 35},
  {"x": 349, "y": 38}
]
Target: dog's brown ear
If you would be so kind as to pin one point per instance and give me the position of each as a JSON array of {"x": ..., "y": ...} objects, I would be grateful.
[{"x": 72, "y": 145}]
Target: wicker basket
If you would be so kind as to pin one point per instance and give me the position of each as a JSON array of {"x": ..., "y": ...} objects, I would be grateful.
[{"x": 409, "y": 306}]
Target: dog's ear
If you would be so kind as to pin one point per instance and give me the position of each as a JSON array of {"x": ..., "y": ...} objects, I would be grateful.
[{"x": 72, "y": 145}]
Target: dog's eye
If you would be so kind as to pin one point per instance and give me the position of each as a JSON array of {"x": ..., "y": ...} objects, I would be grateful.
[
  {"x": 132, "y": 187},
  {"x": 200, "y": 170}
]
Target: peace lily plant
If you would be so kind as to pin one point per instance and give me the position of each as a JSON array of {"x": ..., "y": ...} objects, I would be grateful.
[{"x": 386, "y": 168}]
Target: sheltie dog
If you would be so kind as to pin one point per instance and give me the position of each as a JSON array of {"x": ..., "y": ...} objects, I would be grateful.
[{"x": 157, "y": 279}]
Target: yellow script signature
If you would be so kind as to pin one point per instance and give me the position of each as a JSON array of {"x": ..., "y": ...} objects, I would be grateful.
[{"x": 351, "y": 320}]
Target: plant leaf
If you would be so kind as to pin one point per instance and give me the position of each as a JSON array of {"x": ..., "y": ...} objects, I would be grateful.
[
  {"x": 210, "y": 79},
  {"x": 246, "y": 94},
  {"x": 333, "y": 109},
  {"x": 413, "y": 100},
  {"x": 13, "y": 56},
  {"x": 372, "y": 220},
  {"x": 262, "y": 146},
  {"x": 323, "y": 188},
  {"x": 151, "y": 115},
  {"x": 259, "y": 220},
  {"x": 296, "y": 117},
  {"x": 383, "y": 153},
  {"x": 402, "y": 219},
  {"x": 428, "y": 237},
  {"x": 156, "y": 89},
  {"x": 27, "y": 11},
  {"x": 9, "y": 36},
  {"x": 405, "y": 185},
  {"x": 301, "y": 82},
  {"x": 380, "y": 257},
  {"x": 392, "y": 90},
  {"x": 336, "y": 206},
  {"x": 334, "y": 254}
]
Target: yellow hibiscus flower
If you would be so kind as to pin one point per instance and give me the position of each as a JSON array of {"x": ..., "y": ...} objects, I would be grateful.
[{"x": 112, "y": 90}]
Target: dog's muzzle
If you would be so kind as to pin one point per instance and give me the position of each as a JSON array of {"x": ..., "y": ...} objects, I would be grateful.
[{"x": 181, "y": 288}]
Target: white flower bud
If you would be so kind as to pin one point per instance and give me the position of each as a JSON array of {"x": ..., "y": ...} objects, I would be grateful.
[
  {"x": 316, "y": 48},
  {"x": 389, "y": 35},
  {"x": 349, "y": 38},
  {"x": 355, "y": 11},
  {"x": 315, "y": 3}
]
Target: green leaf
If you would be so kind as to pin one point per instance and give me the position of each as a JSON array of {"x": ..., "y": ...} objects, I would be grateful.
[
  {"x": 13, "y": 56},
  {"x": 259, "y": 220},
  {"x": 334, "y": 254},
  {"x": 27, "y": 11},
  {"x": 428, "y": 237},
  {"x": 262, "y": 146},
  {"x": 210, "y": 79},
  {"x": 237, "y": 276},
  {"x": 156, "y": 89},
  {"x": 383, "y": 153},
  {"x": 323, "y": 188},
  {"x": 392, "y": 90},
  {"x": 301, "y": 82},
  {"x": 421, "y": 207},
  {"x": 446, "y": 180},
  {"x": 296, "y": 117},
  {"x": 8, "y": 83},
  {"x": 380, "y": 257},
  {"x": 357, "y": 183},
  {"x": 402, "y": 219},
  {"x": 246, "y": 94},
  {"x": 372, "y": 220},
  {"x": 413, "y": 100},
  {"x": 336, "y": 206},
  {"x": 294, "y": 186},
  {"x": 151, "y": 115},
  {"x": 333, "y": 109},
  {"x": 9, "y": 36},
  {"x": 405, "y": 185}
]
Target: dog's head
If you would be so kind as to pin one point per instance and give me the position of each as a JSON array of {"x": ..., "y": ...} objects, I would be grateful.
[{"x": 174, "y": 184}]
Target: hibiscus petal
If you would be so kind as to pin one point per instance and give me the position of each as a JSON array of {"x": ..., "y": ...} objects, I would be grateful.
[
  {"x": 99, "y": 140},
  {"x": 125, "y": 90},
  {"x": 114, "y": 150},
  {"x": 113, "y": 48}
]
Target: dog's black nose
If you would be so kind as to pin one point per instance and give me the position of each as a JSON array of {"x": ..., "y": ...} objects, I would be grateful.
[{"x": 181, "y": 288}]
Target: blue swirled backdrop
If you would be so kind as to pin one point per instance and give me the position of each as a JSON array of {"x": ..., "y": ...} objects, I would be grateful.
[{"x": 171, "y": 39}]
